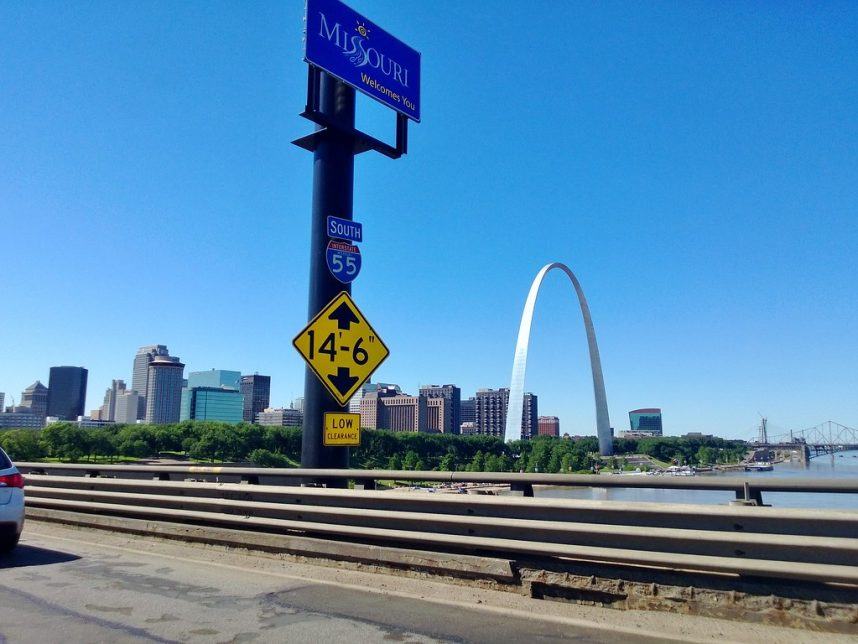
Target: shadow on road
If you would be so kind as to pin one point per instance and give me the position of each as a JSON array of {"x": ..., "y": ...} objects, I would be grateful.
[{"x": 24, "y": 556}]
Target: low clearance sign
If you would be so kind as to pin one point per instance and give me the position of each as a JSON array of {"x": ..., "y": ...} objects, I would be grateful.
[{"x": 358, "y": 52}]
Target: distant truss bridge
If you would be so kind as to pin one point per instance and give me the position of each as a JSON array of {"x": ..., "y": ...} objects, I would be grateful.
[{"x": 825, "y": 438}]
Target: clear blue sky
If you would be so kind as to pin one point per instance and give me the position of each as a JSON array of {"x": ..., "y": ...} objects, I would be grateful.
[{"x": 695, "y": 163}]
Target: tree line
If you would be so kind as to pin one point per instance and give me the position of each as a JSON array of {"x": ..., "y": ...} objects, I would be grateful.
[{"x": 268, "y": 446}]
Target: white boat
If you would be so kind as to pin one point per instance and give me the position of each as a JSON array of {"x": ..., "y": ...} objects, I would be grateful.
[
  {"x": 677, "y": 470},
  {"x": 762, "y": 466}
]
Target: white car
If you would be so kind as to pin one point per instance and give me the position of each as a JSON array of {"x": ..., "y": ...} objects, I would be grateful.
[{"x": 11, "y": 504}]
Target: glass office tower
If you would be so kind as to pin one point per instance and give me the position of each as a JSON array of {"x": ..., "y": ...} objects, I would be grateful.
[
  {"x": 646, "y": 420},
  {"x": 256, "y": 390},
  {"x": 212, "y": 403},
  {"x": 67, "y": 392}
]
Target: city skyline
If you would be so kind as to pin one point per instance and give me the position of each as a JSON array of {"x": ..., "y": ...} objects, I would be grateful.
[
  {"x": 445, "y": 400},
  {"x": 700, "y": 180},
  {"x": 238, "y": 379}
]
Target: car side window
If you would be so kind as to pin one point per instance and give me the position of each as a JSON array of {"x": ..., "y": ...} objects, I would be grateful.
[{"x": 5, "y": 463}]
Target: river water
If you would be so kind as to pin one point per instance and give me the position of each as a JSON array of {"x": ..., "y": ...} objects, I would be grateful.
[{"x": 844, "y": 465}]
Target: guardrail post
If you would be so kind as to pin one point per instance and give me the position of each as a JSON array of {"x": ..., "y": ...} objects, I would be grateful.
[
  {"x": 365, "y": 484},
  {"x": 748, "y": 495},
  {"x": 755, "y": 494}
]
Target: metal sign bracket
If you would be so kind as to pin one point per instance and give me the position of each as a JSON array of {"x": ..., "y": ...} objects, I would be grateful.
[{"x": 363, "y": 142}]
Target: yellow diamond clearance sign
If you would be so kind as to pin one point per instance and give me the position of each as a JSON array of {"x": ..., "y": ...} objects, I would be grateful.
[{"x": 341, "y": 347}]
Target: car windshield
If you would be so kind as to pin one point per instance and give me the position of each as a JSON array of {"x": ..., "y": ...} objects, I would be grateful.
[{"x": 5, "y": 463}]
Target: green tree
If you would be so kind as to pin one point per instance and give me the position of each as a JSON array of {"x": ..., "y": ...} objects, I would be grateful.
[
  {"x": 283, "y": 440},
  {"x": 492, "y": 463},
  {"x": 540, "y": 454},
  {"x": 264, "y": 458},
  {"x": 410, "y": 461},
  {"x": 706, "y": 455},
  {"x": 23, "y": 444},
  {"x": 478, "y": 462},
  {"x": 216, "y": 442},
  {"x": 448, "y": 463},
  {"x": 101, "y": 442},
  {"x": 66, "y": 441}
]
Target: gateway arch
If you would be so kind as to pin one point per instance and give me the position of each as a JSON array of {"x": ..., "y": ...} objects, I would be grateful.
[{"x": 519, "y": 365}]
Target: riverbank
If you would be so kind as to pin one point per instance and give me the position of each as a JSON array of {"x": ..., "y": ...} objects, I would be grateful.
[{"x": 842, "y": 465}]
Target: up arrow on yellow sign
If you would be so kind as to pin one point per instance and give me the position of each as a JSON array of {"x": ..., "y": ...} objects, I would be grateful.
[{"x": 341, "y": 347}]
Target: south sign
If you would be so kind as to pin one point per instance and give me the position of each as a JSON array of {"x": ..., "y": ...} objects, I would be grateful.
[{"x": 345, "y": 44}]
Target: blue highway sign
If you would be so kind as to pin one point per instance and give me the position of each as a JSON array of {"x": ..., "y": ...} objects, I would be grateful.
[
  {"x": 345, "y": 229},
  {"x": 343, "y": 260},
  {"x": 360, "y": 53}
]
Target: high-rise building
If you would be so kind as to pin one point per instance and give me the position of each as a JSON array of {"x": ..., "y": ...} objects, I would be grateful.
[
  {"x": 405, "y": 413},
  {"x": 298, "y": 404},
  {"x": 490, "y": 411},
  {"x": 490, "y": 407},
  {"x": 280, "y": 417},
  {"x": 256, "y": 390},
  {"x": 212, "y": 403},
  {"x": 646, "y": 421},
  {"x": 549, "y": 426},
  {"x": 36, "y": 398},
  {"x": 2, "y": 401},
  {"x": 164, "y": 390},
  {"x": 354, "y": 403},
  {"x": 140, "y": 375},
  {"x": 529, "y": 416},
  {"x": 212, "y": 395},
  {"x": 388, "y": 409},
  {"x": 108, "y": 409},
  {"x": 468, "y": 411},
  {"x": 446, "y": 418},
  {"x": 371, "y": 412},
  {"x": 67, "y": 392},
  {"x": 125, "y": 411},
  {"x": 438, "y": 415},
  {"x": 214, "y": 378}
]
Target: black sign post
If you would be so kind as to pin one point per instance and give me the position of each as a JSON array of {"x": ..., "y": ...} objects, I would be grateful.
[
  {"x": 331, "y": 105},
  {"x": 333, "y": 187},
  {"x": 332, "y": 28}
]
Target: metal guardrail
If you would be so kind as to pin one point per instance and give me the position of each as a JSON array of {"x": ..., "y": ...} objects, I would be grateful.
[
  {"x": 778, "y": 543},
  {"x": 747, "y": 489}
]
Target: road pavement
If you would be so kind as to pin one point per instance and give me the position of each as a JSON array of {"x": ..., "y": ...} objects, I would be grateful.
[{"x": 69, "y": 585}]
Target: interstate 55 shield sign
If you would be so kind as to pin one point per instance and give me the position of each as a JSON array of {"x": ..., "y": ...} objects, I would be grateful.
[
  {"x": 360, "y": 53},
  {"x": 343, "y": 260}
]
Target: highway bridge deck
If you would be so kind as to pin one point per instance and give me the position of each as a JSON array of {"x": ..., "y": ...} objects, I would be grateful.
[{"x": 79, "y": 585}]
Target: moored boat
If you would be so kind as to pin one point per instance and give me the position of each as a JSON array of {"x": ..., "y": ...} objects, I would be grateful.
[{"x": 762, "y": 466}]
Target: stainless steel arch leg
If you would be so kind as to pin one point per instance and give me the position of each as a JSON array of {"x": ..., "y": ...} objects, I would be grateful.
[{"x": 519, "y": 365}]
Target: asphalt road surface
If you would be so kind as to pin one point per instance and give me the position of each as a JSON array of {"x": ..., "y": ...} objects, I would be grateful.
[{"x": 68, "y": 585}]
